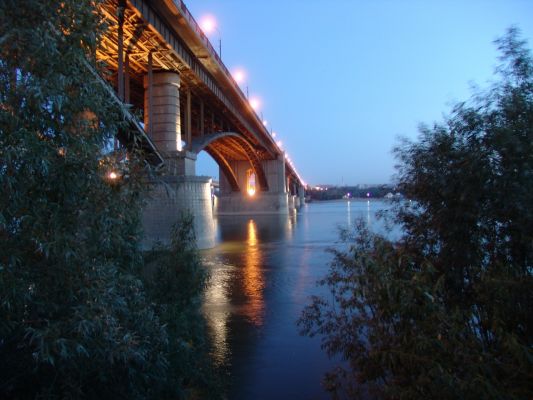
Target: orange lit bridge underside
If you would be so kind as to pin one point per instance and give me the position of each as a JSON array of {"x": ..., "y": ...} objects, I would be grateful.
[
  {"x": 162, "y": 65},
  {"x": 147, "y": 37}
]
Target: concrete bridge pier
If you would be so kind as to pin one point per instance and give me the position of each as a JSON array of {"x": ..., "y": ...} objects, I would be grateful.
[
  {"x": 170, "y": 197},
  {"x": 296, "y": 193},
  {"x": 177, "y": 190},
  {"x": 157, "y": 54},
  {"x": 301, "y": 195},
  {"x": 270, "y": 200}
]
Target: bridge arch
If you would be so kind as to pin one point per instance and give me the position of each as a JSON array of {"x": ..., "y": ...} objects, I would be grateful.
[{"x": 227, "y": 146}]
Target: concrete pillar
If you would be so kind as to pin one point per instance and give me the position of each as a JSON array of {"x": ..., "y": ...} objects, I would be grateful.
[
  {"x": 167, "y": 202},
  {"x": 165, "y": 109},
  {"x": 202, "y": 119},
  {"x": 292, "y": 202},
  {"x": 181, "y": 163},
  {"x": 301, "y": 194},
  {"x": 178, "y": 190},
  {"x": 188, "y": 123},
  {"x": 273, "y": 201},
  {"x": 280, "y": 178},
  {"x": 297, "y": 203}
]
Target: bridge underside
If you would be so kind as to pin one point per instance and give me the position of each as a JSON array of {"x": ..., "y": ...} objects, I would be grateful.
[{"x": 160, "y": 64}]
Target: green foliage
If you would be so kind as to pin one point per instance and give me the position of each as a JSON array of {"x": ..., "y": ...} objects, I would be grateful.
[
  {"x": 446, "y": 311},
  {"x": 175, "y": 279},
  {"x": 75, "y": 317}
]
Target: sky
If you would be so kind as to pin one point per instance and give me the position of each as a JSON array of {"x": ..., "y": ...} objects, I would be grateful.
[{"x": 340, "y": 81}]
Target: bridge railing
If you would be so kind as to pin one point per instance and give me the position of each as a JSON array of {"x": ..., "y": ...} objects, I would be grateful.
[
  {"x": 192, "y": 22},
  {"x": 187, "y": 14},
  {"x": 181, "y": 5}
]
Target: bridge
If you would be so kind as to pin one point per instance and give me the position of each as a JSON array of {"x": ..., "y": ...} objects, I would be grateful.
[{"x": 163, "y": 66}]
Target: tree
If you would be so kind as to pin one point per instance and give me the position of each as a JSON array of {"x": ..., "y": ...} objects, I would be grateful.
[
  {"x": 174, "y": 280},
  {"x": 445, "y": 312},
  {"x": 75, "y": 317}
]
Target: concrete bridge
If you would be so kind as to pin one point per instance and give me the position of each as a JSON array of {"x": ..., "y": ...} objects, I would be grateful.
[{"x": 162, "y": 65}]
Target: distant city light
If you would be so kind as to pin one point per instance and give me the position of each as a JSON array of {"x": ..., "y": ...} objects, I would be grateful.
[
  {"x": 208, "y": 23},
  {"x": 112, "y": 175}
]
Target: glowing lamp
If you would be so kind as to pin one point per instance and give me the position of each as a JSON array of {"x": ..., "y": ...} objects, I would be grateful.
[
  {"x": 255, "y": 103},
  {"x": 208, "y": 24},
  {"x": 239, "y": 75},
  {"x": 250, "y": 182}
]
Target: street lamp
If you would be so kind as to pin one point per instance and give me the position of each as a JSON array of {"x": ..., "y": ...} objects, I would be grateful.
[
  {"x": 209, "y": 24},
  {"x": 255, "y": 103},
  {"x": 239, "y": 75}
]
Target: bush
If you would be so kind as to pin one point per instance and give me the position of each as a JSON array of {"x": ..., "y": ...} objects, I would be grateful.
[
  {"x": 446, "y": 311},
  {"x": 175, "y": 280},
  {"x": 76, "y": 319}
]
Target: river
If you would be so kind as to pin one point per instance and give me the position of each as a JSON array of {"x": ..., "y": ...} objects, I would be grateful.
[{"x": 263, "y": 271}]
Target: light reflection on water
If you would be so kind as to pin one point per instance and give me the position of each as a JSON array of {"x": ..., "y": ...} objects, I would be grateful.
[
  {"x": 263, "y": 271},
  {"x": 253, "y": 278}
]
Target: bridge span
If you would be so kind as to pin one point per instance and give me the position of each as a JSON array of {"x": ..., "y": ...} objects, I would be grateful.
[{"x": 163, "y": 66}]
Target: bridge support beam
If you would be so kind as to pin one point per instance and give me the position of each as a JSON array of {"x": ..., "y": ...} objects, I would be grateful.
[
  {"x": 162, "y": 110},
  {"x": 301, "y": 195},
  {"x": 178, "y": 190},
  {"x": 273, "y": 201}
]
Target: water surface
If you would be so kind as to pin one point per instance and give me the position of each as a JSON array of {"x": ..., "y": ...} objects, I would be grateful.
[{"x": 263, "y": 271}]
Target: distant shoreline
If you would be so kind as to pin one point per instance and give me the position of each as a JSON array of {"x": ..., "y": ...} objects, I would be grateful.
[{"x": 347, "y": 200}]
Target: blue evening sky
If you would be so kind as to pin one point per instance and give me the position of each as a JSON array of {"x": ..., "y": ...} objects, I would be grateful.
[{"x": 341, "y": 80}]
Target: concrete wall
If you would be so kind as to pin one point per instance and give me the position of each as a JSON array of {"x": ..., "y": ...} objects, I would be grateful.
[
  {"x": 260, "y": 203},
  {"x": 273, "y": 201},
  {"x": 168, "y": 199}
]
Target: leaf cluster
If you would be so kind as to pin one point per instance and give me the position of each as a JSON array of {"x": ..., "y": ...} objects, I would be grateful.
[
  {"x": 77, "y": 316},
  {"x": 445, "y": 312}
]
